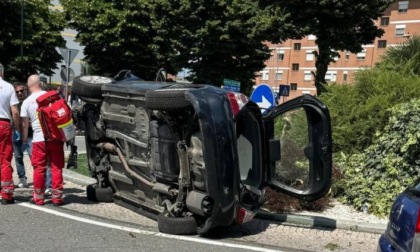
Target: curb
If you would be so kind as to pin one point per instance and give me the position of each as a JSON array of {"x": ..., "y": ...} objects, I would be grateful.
[
  {"x": 293, "y": 219},
  {"x": 322, "y": 222},
  {"x": 77, "y": 178}
]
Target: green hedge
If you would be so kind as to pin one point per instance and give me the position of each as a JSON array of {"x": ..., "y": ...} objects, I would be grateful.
[
  {"x": 360, "y": 109},
  {"x": 389, "y": 165}
]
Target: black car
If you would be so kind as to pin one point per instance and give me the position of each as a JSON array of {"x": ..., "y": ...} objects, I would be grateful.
[{"x": 196, "y": 157}]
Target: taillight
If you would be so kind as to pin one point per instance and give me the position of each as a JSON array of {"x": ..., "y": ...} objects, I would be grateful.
[
  {"x": 237, "y": 102},
  {"x": 418, "y": 222}
]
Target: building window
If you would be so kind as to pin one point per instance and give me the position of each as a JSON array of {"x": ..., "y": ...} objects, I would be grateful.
[
  {"x": 310, "y": 56},
  {"x": 280, "y": 55},
  {"x": 296, "y": 46},
  {"x": 331, "y": 76},
  {"x": 279, "y": 75},
  {"x": 361, "y": 55},
  {"x": 399, "y": 30},
  {"x": 264, "y": 75},
  {"x": 347, "y": 55},
  {"x": 384, "y": 21},
  {"x": 381, "y": 43},
  {"x": 307, "y": 76},
  {"x": 402, "y": 6},
  {"x": 295, "y": 67},
  {"x": 345, "y": 75},
  {"x": 293, "y": 86}
]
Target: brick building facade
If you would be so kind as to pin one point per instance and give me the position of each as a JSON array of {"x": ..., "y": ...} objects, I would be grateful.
[{"x": 292, "y": 62}]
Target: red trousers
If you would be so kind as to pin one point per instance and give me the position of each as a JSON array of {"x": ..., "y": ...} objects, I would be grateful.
[
  {"x": 6, "y": 154},
  {"x": 41, "y": 153}
]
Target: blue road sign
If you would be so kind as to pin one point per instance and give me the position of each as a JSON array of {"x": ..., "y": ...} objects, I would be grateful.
[
  {"x": 284, "y": 90},
  {"x": 263, "y": 95}
]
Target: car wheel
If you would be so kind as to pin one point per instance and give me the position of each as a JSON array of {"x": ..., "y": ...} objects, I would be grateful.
[
  {"x": 176, "y": 225},
  {"x": 166, "y": 99},
  {"x": 88, "y": 87},
  {"x": 95, "y": 193}
]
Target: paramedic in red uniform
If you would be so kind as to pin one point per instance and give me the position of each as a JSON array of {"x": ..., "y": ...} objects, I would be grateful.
[
  {"x": 8, "y": 110},
  {"x": 42, "y": 150}
]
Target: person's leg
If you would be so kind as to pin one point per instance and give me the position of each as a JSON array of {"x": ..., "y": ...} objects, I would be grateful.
[
  {"x": 72, "y": 161},
  {"x": 48, "y": 179},
  {"x": 18, "y": 152},
  {"x": 39, "y": 162},
  {"x": 57, "y": 165},
  {"x": 6, "y": 170},
  {"x": 28, "y": 148}
]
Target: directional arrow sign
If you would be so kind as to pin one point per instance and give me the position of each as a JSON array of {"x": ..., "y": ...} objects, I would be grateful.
[{"x": 263, "y": 95}]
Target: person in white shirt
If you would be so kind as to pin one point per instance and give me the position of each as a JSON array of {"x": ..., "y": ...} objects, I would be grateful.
[
  {"x": 43, "y": 150},
  {"x": 8, "y": 110}
]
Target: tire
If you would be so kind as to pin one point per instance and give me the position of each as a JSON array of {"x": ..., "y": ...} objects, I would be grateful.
[
  {"x": 172, "y": 99},
  {"x": 97, "y": 194},
  {"x": 176, "y": 225},
  {"x": 88, "y": 87}
]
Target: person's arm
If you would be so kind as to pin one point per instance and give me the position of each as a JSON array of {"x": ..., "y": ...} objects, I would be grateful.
[
  {"x": 25, "y": 124},
  {"x": 16, "y": 117}
]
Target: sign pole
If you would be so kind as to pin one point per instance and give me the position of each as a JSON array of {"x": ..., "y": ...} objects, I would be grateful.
[{"x": 68, "y": 75}]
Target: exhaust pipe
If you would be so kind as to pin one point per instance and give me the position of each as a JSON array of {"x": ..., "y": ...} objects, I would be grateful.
[{"x": 109, "y": 147}]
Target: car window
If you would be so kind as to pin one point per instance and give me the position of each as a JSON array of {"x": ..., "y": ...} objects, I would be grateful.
[{"x": 292, "y": 130}]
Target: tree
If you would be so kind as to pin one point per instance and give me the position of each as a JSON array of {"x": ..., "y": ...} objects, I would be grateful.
[
  {"x": 215, "y": 39},
  {"x": 404, "y": 58},
  {"x": 41, "y": 37},
  {"x": 116, "y": 35},
  {"x": 337, "y": 25}
]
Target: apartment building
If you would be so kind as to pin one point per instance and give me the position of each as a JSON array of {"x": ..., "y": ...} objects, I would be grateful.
[{"x": 292, "y": 62}]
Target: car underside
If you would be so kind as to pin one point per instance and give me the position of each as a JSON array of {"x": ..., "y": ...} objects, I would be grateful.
[
  {"x": 196, "y": 157},
  {"x": 169, "y": 152}
]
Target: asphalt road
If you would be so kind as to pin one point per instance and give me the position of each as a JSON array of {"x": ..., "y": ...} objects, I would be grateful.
[
  {"x": 82, "y": 225},
  {"x": 26, "y": 227}
]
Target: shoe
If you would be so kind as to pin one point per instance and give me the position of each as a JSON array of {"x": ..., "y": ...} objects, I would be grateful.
[
  {"x": 32, "y": 201},
  {"x": 7, "y": 202},
  {"x": 48, "y": 191},
  {"x": 22, "y": 183}
]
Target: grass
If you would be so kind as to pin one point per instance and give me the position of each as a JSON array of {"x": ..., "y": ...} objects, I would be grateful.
[
  {"x": 332, "y": 246},
  {"x": 82, "y": 165}
]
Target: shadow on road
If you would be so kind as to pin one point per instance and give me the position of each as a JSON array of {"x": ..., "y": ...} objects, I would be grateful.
[{"x": 238, "y": 231}]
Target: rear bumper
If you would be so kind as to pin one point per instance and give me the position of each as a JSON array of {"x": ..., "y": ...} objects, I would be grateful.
[{"x": 384, "y": 245}]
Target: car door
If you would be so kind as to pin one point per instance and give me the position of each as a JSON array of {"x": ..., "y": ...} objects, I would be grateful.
[{"x": 299, "y": 148}]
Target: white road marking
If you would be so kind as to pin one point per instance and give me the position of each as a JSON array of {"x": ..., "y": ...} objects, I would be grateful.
[{"x": 144, "y": 232}]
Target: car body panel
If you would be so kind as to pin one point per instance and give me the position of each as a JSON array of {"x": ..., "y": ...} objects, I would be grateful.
[{"x": 400, "y": 233}]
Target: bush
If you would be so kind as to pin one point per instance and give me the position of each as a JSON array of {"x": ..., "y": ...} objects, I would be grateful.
[
  {"x": 389, "y": 165},
  {"x": 359, "y": 110}
]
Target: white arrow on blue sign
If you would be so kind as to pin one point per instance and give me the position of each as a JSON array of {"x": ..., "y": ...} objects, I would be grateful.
[{"x": 263, "y": 95}]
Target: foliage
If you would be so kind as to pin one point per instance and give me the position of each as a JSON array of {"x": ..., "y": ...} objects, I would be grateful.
[
  {"x": 337, "y": 25},
  {"x": 359, "y": 110},
  {"x": 116, "y": 35},
  {"x": 404, "y": 58},
  {"x": 389, "y": 165},
  {"x": 41, "y": 37},
  {"x": 213, "y": 39},
  {"x": 281, "y": 203}
]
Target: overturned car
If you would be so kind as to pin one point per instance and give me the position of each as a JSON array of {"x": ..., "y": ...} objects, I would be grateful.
[{"x": 195, "y": 157}]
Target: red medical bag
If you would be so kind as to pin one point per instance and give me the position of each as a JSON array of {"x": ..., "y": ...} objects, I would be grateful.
[{"x": 55, "y": 117}]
